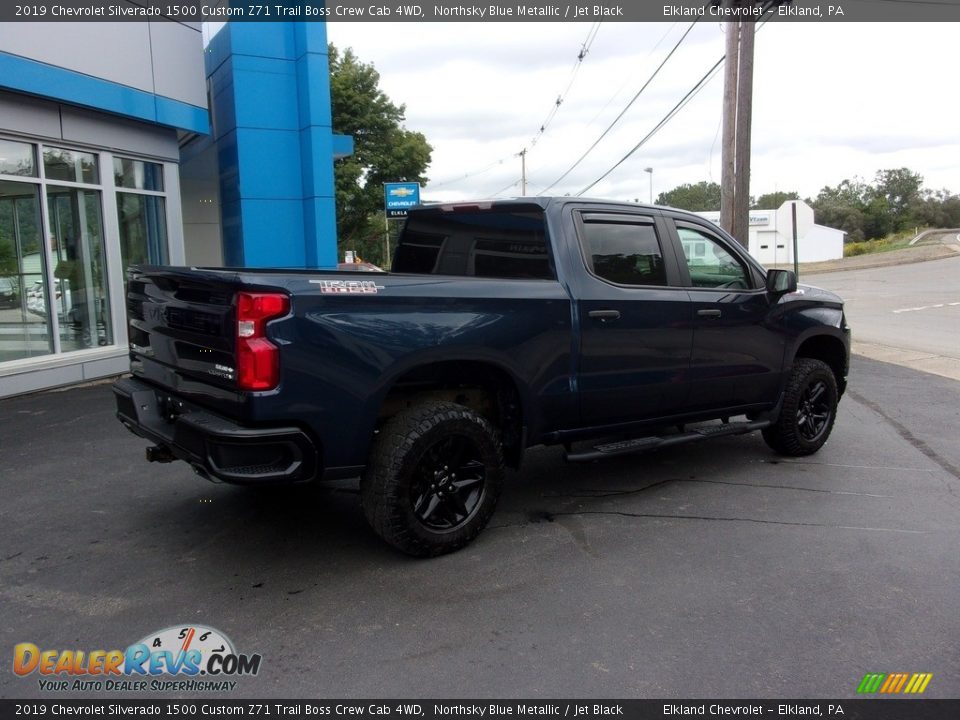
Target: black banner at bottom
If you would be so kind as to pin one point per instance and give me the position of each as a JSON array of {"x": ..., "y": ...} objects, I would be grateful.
[{"x": 874, "y": 709}]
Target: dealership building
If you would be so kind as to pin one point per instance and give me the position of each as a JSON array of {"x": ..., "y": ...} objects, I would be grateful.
[
  {"x": 772, "y": 233},
  {"x": 130, "y": 143}
]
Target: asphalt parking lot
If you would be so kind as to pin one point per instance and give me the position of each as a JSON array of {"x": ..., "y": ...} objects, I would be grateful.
[{"x": 712, "y": 570}]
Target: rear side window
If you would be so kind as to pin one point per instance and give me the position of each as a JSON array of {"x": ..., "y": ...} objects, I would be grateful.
[
  {"x": 626, "y": 253},
  {"x": 506, "y": 244}
]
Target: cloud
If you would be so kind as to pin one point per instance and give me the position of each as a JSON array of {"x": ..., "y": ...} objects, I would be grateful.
[{"x": 831, "y": 100}]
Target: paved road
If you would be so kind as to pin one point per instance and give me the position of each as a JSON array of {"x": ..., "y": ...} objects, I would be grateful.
[
  {"x": 713, "y": 570},
  {"x": 908, "y": 314}
]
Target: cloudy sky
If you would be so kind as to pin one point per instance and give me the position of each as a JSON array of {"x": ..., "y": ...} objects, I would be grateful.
[{"x": 831, "y": 101}]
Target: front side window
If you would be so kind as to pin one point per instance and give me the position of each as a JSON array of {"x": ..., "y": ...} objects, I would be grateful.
[
  {"x": 710, "y": 264},
  {"x": 626, "y": 253}
]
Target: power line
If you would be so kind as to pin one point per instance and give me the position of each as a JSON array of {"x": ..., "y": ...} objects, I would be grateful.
[
  {"x": 701, "y": 83},
  {"x": 584, "y": 50},
  {"x": 472, "y": 173},
  {"x": 504, "y": 188},
  {"x": 623, "y": 112},
  {"x": 630, "y": 77}
]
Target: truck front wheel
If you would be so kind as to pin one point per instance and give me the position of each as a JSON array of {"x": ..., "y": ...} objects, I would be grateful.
[
  {"x": 433, "y": 479},
  {"x": 808, "y": 411}
]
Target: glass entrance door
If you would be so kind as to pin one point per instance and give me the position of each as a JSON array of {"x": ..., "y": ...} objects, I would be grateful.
[
  {"x": 24, "y": 320},
  {"x": 80, "y": 295}
]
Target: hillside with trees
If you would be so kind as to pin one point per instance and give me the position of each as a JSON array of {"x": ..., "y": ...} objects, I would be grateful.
[{"x": 895, "y": 201}]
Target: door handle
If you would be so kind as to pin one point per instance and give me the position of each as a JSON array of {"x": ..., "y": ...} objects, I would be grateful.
[
  {"x": 709, "y": 313},
  {"x": 604, "y": 315}
]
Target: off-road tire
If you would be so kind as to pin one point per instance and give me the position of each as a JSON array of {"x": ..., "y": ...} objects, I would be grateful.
[
  {"x": 410, "y": 491},
  {"x": 808, "y": 412}
]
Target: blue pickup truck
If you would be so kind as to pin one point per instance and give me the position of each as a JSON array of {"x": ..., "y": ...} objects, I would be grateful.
[{"x": 607, "y": 328}]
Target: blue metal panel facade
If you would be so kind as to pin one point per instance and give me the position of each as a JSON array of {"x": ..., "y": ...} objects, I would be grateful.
[
  {"x": 271, "y": 102},
  {"x": 57, "y": 83}
]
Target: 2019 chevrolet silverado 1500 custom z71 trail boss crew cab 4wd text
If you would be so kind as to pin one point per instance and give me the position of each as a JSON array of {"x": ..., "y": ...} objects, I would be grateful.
[{"x": 502, "y": 325}]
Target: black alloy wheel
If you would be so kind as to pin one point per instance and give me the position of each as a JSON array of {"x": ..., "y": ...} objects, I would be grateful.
[
  {"x": 808, "y": 410},
  {"x": 448, "y": 484},
  {"x": 815, "y": 411},
  {"x": 433, "y": 478}
]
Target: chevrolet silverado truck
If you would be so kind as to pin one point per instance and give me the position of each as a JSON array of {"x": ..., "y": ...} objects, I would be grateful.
[{"x": 607, "y": 328}]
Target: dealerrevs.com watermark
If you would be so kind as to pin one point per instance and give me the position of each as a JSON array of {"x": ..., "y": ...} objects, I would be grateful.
[{"x": 179, "y": 658}]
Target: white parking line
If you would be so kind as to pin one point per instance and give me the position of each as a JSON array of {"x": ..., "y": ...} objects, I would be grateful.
[{"x": 925, "y": 307}]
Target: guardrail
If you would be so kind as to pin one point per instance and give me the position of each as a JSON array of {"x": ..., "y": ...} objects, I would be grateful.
[{"x": 925, "y": 233}]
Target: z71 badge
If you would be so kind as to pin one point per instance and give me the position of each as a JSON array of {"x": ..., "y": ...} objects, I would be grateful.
[{"x": 350, "y": 287}]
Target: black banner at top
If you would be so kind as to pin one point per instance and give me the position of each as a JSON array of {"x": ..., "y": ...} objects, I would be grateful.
[
  {"x": 478, "y": 11},
  {"x": 420, "y": 709}
]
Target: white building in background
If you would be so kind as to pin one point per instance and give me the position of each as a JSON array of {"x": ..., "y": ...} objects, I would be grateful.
[{"x": 771, "y": 235}]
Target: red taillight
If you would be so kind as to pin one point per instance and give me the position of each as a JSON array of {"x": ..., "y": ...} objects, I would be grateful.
[{"x": 258, "y": 359}]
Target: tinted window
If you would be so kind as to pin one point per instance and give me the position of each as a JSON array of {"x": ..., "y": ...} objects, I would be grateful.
[
  {"x": 624, "y": 253},
  {"x": 482, "y": 243},
  {"x": 418, "y": 251},
  {"x": 710, "y": 264}
]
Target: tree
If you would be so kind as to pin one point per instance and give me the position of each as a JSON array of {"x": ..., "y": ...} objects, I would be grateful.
[
  {"x": 702, "y": 197},
  {"x": 383, "y": 151},
  {"x": 937, "y": 209},
  {"x": 895, "y": 192},
  {"x": 895, "y": 201},
  {"x": 844, "y": 207},
  {"x": 772, "y": 201}
]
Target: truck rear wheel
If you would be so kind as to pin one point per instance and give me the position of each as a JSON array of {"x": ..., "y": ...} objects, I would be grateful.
[
  {"x": 433, "y": 479},
  {"x": 808, "y": 412}
]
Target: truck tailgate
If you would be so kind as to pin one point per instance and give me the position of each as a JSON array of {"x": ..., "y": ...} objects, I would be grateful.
[{"x": 181, "y": 331}]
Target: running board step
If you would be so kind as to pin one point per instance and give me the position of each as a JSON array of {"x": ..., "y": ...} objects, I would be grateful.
[{"x": 636, "y": 445}]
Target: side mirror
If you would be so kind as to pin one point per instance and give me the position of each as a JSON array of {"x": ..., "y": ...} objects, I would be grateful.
[{"x": 781, "y": 282}]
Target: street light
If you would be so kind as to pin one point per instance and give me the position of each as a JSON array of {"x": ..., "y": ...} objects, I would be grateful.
[{"x": 650, "y": 171}]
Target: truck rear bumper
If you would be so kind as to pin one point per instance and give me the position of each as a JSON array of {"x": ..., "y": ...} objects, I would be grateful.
[{"x": 216, "y": 447}]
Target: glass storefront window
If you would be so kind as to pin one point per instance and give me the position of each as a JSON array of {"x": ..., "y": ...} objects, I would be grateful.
[
  {"x": 17, "y": 158},
  {"x": 80, "y": 295},
  {"x": 24, "y": 321},
  {"x": 54, "y": 239},
  {"x": 143, "y": 229},
  {"x": 137, "y": 174},
  {"x": 70, "y": 165}
]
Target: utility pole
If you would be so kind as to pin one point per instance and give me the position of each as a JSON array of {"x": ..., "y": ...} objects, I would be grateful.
[
  {"x": 741, "y": 196},
  {"x": 737, "y": 113},
  {"x": 523, "y": 172},
  {"x": 728, "y": 148}
]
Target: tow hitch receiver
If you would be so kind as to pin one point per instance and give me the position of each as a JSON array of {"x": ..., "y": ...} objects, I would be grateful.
[{"x": 160, "y": 454}]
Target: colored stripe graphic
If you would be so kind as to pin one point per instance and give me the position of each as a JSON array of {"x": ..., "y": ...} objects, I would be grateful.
[
  {"x": 907, "y": 683},
  {"x": 927, "y": 677},
  {"x": 871, "y": 682},
  {"x": 889, "y": 683}
]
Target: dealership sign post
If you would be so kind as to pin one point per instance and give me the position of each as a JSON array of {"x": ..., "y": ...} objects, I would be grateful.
[{"x": 398, "y": 197}]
